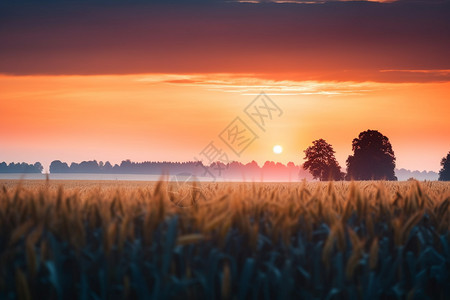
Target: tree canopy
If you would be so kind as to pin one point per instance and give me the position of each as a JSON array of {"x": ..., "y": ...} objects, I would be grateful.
[
  {"x": 21, "y": 167},
  {"x": 444, "y": 173},
  {"x": 321, "y": 163},
  {"x": 372, "y": 159}
]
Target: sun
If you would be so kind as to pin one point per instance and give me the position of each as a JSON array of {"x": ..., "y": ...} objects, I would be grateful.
[{"x": 277, "y": 149}]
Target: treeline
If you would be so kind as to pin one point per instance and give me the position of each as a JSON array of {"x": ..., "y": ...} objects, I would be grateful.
[
  {"x": 270, "y": 169},
  {"x": 404, "y": 174},
  {"x": 373, "y": 159},
  {"x": 21, "y": 168},
  {"x": 125, "y": 167}
]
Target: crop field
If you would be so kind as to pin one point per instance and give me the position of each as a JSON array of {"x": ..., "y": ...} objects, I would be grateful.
[{"x": 160, "y": 240}]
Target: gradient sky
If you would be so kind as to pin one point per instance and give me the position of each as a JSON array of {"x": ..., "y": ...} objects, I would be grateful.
[{"x": 155, "y": 81}]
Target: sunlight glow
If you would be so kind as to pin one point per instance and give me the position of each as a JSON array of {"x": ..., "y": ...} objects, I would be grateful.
[{"x": 277, "y": 149}]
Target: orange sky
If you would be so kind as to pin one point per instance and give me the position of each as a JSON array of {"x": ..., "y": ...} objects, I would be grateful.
[
  {"x": 173, "y": 117},
  {"x": 159, "y": 80}
]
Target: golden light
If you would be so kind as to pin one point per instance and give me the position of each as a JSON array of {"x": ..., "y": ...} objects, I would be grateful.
[{"x": 277, "y": 149}]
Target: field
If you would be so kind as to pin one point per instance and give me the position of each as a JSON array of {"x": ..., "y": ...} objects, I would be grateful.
[{"x": 159, "y": 240}]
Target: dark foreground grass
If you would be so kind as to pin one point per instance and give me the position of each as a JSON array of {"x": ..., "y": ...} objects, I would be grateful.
[{"x": 125, "y": 240}]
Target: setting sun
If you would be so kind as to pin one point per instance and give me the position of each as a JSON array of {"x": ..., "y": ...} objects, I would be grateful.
[{"x": 277, "y": 149}]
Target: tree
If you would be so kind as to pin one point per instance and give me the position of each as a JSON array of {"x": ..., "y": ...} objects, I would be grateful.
[
  {"x": 59, "y": 167},
  {"x": 107, "y": 168},
  {"x": 321, "y": 163},
  {"x": 372, "y": 159},
  {"x": 38, "y": 167},
  {"x": 444, "y": 173}
]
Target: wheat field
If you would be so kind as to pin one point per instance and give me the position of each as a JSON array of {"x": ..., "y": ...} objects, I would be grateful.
[{"x": 166, "y": 240}]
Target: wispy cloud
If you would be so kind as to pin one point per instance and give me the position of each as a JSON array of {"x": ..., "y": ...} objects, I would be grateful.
[
  {"x": 251, "y": 84},
  {"x": 432, "y": 75},
  {"x": 432, "y": 72}
]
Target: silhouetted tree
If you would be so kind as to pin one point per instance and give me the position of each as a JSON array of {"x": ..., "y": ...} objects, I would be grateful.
[
  {"x": 107, "y": 168},
  {"x": 21, "y": 168},
  {"x": 57, "y": 166},
  {"x": 372, "y": 159},
  {"x": 321, "y": 163},
  {"x": 444, "y": 173},
  {"x": 38, "y": 167}
]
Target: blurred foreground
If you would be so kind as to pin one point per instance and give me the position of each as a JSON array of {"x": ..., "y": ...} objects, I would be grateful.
[{"x": 160, "y": 240}]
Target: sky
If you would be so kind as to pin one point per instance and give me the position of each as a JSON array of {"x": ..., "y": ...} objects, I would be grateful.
[{"x": 153, "y": 80}]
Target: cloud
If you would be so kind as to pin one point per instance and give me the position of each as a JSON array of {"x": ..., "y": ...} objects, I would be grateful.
[
  {"x": 349, "y": 41},
  {"x": 419, "y": 75},
  {"x": 253, "y": 84}
]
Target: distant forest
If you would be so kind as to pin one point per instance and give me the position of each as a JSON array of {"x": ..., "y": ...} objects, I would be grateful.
[
  {"x": 231, "y": 170},
  {"x": 234, "y": 169},
  {"x": 21, "y": 168}
]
